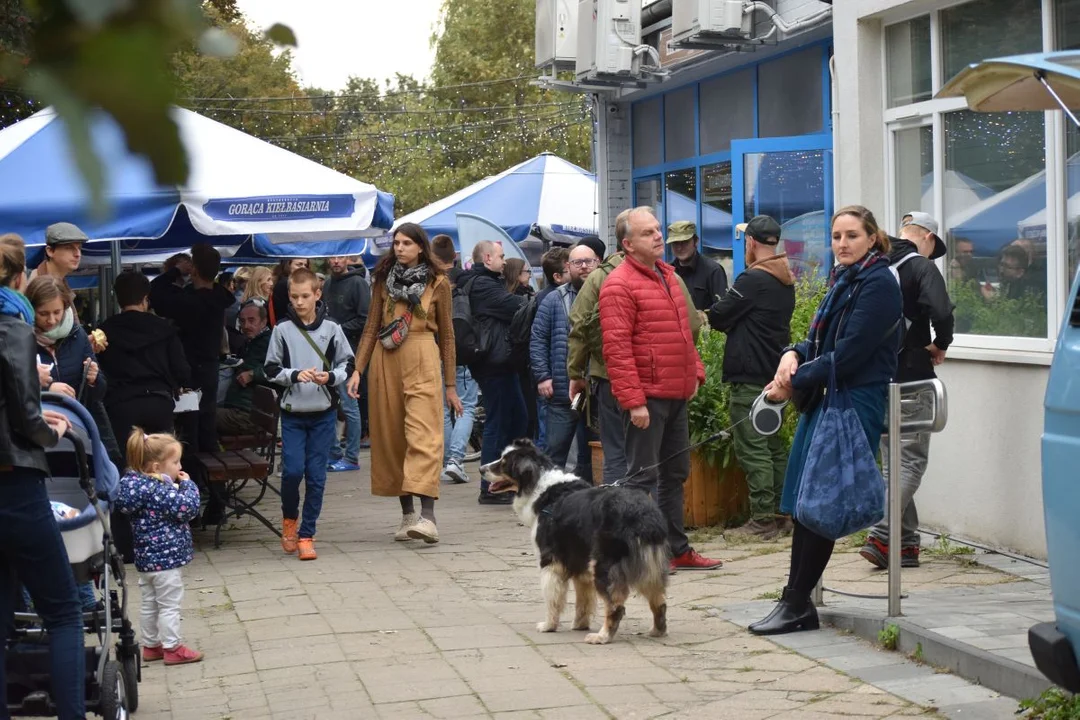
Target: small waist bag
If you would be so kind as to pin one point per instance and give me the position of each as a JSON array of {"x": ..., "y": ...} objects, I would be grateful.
[{"x": 394, "y": 333}]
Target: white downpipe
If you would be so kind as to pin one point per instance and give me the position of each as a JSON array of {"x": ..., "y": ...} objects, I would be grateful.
[
  {"x": 834, "y": 93},
  {"x": 783, "y": 25}
]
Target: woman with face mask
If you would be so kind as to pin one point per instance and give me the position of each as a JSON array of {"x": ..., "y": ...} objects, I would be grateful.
[{"x": 65, "y": 347}]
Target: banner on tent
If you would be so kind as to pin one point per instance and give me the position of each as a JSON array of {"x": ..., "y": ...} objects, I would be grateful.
[
  {"x": 274, "y": 208},
  {"x": 384, "y": 242}
]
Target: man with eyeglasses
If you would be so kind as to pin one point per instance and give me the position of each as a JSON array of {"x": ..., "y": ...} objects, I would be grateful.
[
  {"x": 233, "y": 418},
  {"x": 548, "y": 351}
]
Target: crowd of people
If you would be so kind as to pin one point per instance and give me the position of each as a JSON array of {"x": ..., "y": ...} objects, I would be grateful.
[{"x": 605, "y": 350}]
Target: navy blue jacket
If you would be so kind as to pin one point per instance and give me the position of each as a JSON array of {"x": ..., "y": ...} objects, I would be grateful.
[
  {"x": 861, "y": 335},
  {"x": 160, "y": 515},
  {"x": 550, "y": 344},
  {"x": 67, "y": 361}
]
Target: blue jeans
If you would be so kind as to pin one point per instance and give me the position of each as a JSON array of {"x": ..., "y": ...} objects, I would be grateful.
[
  {"x": 563, "y": 425},
  {"x": 541, "y": 423},
  {"x": 36, "y": 554},
  {"x": 305, "y": 451},
  {"x": 505, "y": 416},
  {"x": 456, "y": 431},
  {"x": 349, "y": 448}
]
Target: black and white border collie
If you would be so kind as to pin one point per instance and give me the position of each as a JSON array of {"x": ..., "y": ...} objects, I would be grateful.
[{"x": 607, "y": 540}]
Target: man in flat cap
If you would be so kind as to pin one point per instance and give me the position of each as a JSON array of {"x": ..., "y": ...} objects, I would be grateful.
[
  {"x": 63, "y": 251},
  {"x": 704, "y": 277}
]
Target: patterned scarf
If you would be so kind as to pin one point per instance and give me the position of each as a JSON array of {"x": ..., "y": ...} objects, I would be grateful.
[
  {"x": 840, "y": 279},
  {"x": 407, "y": 284},
  {"x": 15, "y": 304}
]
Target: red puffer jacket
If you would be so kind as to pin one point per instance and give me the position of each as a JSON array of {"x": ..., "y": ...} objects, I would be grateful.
[{"x": 648, "y": 346}]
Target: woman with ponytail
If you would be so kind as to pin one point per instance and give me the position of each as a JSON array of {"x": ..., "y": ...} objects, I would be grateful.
[{"x": 34, "y": 553}]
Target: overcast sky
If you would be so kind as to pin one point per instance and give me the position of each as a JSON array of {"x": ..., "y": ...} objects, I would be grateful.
[{"x": 339, "y": 38}]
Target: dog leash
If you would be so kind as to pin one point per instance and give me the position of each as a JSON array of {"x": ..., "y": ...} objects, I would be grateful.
[{"x": 724, "y": 434}]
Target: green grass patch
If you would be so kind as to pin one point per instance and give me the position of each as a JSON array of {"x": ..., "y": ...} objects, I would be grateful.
[
  {"x": 889, "y": 636},
  {"x": 1054, "y": 704},
  {"x": 771, "y": 595},
  {"x": 944, "y": 547}
]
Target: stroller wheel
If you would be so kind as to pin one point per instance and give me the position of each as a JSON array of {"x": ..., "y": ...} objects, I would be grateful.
[
  {"x": 113, "y": 694},
  {"x": 131, "y": 671}
]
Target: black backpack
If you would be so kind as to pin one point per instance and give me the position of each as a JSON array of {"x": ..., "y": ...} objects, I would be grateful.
[
  {"x": 521, "y": 324},
  {"x": 468, "y": 343}
]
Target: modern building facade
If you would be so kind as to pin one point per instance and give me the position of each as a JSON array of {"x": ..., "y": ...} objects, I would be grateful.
[{"x": 844, "y": 112}]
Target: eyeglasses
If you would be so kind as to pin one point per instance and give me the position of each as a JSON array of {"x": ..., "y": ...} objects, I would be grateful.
[{"x": 584, "y": 262}]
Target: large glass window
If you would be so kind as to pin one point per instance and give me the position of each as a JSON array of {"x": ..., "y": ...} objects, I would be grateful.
[
  {"x": 679, "y": 126},
  {"x": 1067, "y": 21},
  {"x": 681, "y": 196},
  {"x": 715, "y": 231},
  {"x": 913, "y": 151},
  {"x": 727, "y": 111},
  {"x": 647, "y": 139},
  {"x": 1068, "y": 38},
  {"x": 790, "y": 95},
  {"x": 907, "y": 47},
  {"x": 984, "y": 29},
  {"x": 997, "y": 245},
  {"x": 648, "y": 192}
]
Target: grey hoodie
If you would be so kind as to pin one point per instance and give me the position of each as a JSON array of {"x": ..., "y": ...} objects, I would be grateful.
[{"x": 290, "y": 353}]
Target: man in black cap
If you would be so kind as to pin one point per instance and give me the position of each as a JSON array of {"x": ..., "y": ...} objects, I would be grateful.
[
  {"x": 756, "y": 315},
  {"x": 926, "y": 304},
  {"x": 63, "y": 251}
]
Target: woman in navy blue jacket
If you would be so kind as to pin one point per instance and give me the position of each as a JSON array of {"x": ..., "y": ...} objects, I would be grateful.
[
  {"x": 64, "y": 345},
  {"x": 855, "y": 333}
]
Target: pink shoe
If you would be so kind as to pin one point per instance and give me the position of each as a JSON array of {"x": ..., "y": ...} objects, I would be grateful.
[
  {"x": 150, "y": 654},
  {"x": 182, "y": 655}
]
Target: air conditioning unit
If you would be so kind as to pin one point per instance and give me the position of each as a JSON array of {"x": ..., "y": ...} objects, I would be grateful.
[
  {"x": 691, "y": 19},
  {"x": 556, "y": 33},
  {"x": 608, "y": 32}
]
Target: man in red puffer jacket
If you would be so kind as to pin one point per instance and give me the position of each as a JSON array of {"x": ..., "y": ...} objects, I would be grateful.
[{"x": 654, "y": 370}]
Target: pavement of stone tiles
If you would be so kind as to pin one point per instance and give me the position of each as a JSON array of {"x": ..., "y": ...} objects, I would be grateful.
[{"x": 378, "y": 629}]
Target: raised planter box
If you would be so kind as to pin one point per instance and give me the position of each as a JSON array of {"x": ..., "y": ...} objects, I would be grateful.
[{"x": 710, "y": 496}]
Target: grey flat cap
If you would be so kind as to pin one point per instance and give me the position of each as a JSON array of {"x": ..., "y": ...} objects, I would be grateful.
[{"x": 64, "y": 233}]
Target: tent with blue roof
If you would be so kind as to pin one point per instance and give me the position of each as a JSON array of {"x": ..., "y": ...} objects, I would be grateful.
[
  {"x": 238, "y": 186},
  {"x": 546, "y": 191}
]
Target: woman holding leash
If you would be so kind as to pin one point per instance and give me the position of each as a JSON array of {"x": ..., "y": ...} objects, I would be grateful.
[
  {"x": 409, "y": 340},
  {"x": 852, "y": 345}
]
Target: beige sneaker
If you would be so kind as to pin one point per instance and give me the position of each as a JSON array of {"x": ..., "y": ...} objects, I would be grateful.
[
  {"x": 407, "y": 521},
  {"x": 424, "y": 530}
]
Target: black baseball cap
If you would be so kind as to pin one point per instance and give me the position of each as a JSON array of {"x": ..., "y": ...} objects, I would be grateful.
[{"x": 762, "y": 228}]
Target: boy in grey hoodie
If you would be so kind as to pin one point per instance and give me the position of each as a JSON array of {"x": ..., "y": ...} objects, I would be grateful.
[{"x": 310, "y": 356}]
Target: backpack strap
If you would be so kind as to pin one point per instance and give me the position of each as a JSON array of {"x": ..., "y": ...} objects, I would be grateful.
[{"x": 311, "y": 342}]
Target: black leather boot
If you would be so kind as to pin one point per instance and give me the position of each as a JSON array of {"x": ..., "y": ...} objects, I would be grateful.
[{"x": 793, "y": 612}]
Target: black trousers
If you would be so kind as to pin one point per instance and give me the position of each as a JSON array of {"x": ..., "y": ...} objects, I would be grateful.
[
  {"x": 200, "y": 429},
  {"x": 810, "y": 554}
]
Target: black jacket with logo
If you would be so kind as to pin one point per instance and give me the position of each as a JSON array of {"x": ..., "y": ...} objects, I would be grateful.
[
  {"x": 926, "y": 303},
  {"x": 756, "y": 315}
]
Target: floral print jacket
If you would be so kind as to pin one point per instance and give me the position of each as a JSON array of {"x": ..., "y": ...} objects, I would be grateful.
[{"x": 160, "y": 511}]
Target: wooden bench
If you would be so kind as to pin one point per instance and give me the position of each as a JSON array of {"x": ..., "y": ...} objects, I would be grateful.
[{"x": 245, "y": 459}]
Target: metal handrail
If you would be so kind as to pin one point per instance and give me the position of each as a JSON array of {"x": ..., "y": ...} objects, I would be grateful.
[{"x": 899, "y": 394}]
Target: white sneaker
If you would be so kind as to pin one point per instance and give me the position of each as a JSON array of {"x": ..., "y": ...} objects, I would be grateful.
[
  {"x": 407, "y": 521},
  {"x": 455, "y": 473},
  {"x": 424, "y": 530}
]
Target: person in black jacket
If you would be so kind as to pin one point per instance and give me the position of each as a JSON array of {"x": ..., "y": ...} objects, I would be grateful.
[
  {"x": 505, "y": 415},
  {"x": 756, "y": 315},
  {"x": 704, "y": 277},
  {"x": 279, "y": 300},
  {"x": 347, "y": 296},
  {"x": 198, "y": 311},
  {"x": 926, "y": 304},
  {"x": 34, "y": 553}
]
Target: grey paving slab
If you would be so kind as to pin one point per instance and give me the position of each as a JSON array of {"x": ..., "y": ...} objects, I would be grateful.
[{"x": 380, "y": 629}]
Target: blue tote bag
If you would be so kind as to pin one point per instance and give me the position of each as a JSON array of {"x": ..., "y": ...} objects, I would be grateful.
[{"x": 841, "y": 490}]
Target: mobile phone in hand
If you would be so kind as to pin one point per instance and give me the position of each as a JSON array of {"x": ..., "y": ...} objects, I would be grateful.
[{"x": 577, "y": 404}]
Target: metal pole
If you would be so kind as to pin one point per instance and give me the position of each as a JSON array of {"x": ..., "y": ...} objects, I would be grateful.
[
  {"x": 894, "y": 499},
  {"x": 117, "y": 267},
  {"x": 817, "y": 595}
]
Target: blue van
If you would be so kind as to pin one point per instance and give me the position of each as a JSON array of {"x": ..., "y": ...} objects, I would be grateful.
[{"x": 1048, "y": 81}]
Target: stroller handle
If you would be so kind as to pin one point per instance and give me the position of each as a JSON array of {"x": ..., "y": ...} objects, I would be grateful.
[{"x": 84, "y": 466}]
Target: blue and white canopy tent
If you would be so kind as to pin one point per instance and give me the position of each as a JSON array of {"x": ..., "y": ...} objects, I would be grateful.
[
  {"x": 238, "y": 186},
  {"x": 546, "y": 191}
]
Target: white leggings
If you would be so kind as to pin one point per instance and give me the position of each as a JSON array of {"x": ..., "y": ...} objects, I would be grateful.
[{"x": 162, "y": 593}]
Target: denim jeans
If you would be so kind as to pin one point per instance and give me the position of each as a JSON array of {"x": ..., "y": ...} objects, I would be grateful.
[
  {"x": 305, "y": 452},
  {"x": 456, "y": 431},
  {"x": 349, "y": 448},
  {"x": 541, "y": 423},
  {"x": 563, "y": 426},
  {"x": 612, "y": 432},
  {"x": 505, "y": 415},
  {"x": 36, "y": 554}
]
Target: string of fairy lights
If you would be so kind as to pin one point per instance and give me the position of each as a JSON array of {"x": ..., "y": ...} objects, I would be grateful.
[{"x": 461, "y": 123}]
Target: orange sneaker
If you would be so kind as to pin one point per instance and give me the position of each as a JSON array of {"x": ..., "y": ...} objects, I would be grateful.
[
  {"x": 307, "y": 548},
  {"x": 288, "y": 535}
]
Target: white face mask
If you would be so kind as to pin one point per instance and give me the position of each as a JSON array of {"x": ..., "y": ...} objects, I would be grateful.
[{"x": 62, "y": 330}]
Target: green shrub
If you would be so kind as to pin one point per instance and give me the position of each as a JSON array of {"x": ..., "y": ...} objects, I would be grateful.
[{"x": 1054, "y": 704}]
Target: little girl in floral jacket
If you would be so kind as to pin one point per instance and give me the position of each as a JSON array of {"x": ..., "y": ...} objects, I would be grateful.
[{"x": 161, "y": 500}]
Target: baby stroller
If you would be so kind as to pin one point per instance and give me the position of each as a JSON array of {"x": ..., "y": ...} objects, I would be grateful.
[{"x": 82, "y": 477}]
